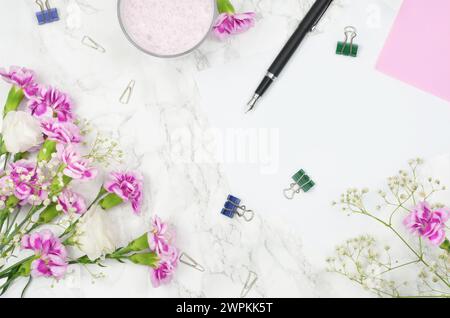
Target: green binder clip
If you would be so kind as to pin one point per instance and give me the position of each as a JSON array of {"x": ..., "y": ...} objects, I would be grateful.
[
  {"x": 347, "y": 47},
  {"x": 301, "y": 182}
]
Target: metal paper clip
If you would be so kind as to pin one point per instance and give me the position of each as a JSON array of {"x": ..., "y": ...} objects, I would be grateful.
[
  {"x": 347, "y": 47},
  {"x": 249, "y": 283},
  {"x": 47, "y": 13},
  {"x": 232, "y": 206},
  {"x": 89, "y": 42},
  {"x": 126, "y": 95},
  {"x": 301, "y": 182},
  {"x": 187, "y": 260}
]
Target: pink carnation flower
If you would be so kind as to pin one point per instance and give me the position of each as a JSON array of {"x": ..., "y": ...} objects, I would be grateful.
[
  {"x": 128, "y": 186},
  {"x": 50, "y": 102},
  {"x": 76, "y": 166},
  {"x": 21, "y": 77},
  {"x": 160, "y": 237},
  {"x": 28, "y": 186},
  {"x": 71, "y": 202},
  {"x": 233, "y": 23},
  {"x": 64, "y": 132},
  {"x": 165, "y": 270},
  {"x": 51, "y": 254},
  {"x": 428, "y": 223}
]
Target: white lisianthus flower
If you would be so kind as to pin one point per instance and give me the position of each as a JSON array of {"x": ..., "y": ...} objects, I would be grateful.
[
  {"x": 21, "y": 131},
  {"x": 94, "y": 235}
]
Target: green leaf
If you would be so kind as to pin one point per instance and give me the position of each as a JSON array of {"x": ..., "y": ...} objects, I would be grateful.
[
  {"x": 56, "y": 185},
  {"x": 12, "y": 202},
  {"x": 48, "y": 148},
  {"x": 225, "y": 6},
  {"x": 15, "y": 97},
  {"x": 139, "y": 244},
  {"x": 110, "y": 201},
  {"x": 85, "y": 260},
  {"x": 25, "y": 268},
  {"x": 446, "y": 245},
  {"x": 48, "y": 215},
  {"x": 147, "y": 259},
  {"x": 3, "y": 149},
  {"x": 20, "y": 155}
]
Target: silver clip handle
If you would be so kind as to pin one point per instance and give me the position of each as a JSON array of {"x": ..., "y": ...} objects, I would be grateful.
[
  {"x": 41, "y": 5},
  {"x": 290, "y": 192},
  {"x": 350, "y": 35},
  {"x": 248, "y": 215}
]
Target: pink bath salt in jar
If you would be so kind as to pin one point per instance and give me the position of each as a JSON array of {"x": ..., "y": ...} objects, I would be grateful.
[{"x": 166, "y": 28}]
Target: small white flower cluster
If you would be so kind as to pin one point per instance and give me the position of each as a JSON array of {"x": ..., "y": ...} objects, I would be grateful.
[
  {"x": 358, "y": 258},
  {"x": 105, "y": 151}
]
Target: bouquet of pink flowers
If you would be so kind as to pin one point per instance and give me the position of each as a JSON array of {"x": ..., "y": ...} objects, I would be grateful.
[{"x": 42, "y": 149}]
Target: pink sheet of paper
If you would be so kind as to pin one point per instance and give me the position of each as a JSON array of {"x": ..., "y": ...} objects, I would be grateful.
[{"x": 417, "y": 50}]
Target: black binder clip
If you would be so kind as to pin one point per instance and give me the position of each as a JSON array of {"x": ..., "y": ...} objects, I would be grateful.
[
  {"x": 47, "y": 13},
  {"x": 232, "y": 206}
]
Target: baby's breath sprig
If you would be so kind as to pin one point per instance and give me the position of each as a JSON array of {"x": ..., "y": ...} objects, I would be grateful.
[
  {"x": 84, "y": 125},
  {"x": 405, "y": 190},
  {"x": 360, "y": 260},
  {"x": 105, "y": 151}
]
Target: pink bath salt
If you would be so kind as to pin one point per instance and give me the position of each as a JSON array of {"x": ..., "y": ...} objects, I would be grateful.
[{"x": 166, "y": 27}]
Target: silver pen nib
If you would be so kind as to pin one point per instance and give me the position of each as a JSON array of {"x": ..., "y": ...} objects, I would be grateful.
[{"x": 252, "y": 102}]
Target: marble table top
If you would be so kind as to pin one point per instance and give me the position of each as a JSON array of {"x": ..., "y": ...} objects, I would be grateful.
[{"x": 166, "y": 99}]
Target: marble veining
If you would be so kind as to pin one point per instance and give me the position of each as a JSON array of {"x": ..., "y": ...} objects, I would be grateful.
[{"x": 165, "y": 100}]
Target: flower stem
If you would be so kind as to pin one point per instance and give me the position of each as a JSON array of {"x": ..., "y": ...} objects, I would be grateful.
[
  {"x": 72, "y": 226},
  {"x": 225, "y": 6},
  {"x": 420, "y": 257},
  {"x": 15, "y": 97},
  {"x": 10, "y": 236}
]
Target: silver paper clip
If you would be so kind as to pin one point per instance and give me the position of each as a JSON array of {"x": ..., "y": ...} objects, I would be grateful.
[
  {"x": 126, "y": 95},
  {"x": 89, "y": 42},
  {"x": 189, "y": 261},
  {"x": 249, "y": 283}
]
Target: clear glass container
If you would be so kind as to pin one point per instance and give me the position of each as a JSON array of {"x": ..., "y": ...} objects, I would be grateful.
[{"x": 166, "y": 28}]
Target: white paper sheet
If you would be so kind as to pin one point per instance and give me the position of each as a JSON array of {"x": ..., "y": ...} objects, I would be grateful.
[{"x": 336, "y": 117}]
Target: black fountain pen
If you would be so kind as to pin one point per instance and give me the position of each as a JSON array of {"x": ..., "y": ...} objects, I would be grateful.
[{"x": 307, "y": 25}]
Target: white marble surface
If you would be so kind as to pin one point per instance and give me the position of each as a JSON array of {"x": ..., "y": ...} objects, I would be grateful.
[{"x": 165, "y": 100}]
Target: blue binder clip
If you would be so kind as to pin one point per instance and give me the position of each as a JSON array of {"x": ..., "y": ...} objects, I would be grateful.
[
  {"x": 232, "y": 206},
  {"x": 47, "y": 14}
]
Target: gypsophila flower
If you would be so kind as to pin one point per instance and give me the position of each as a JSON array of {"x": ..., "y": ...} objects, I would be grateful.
[{"x": 105, "y": 151}]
